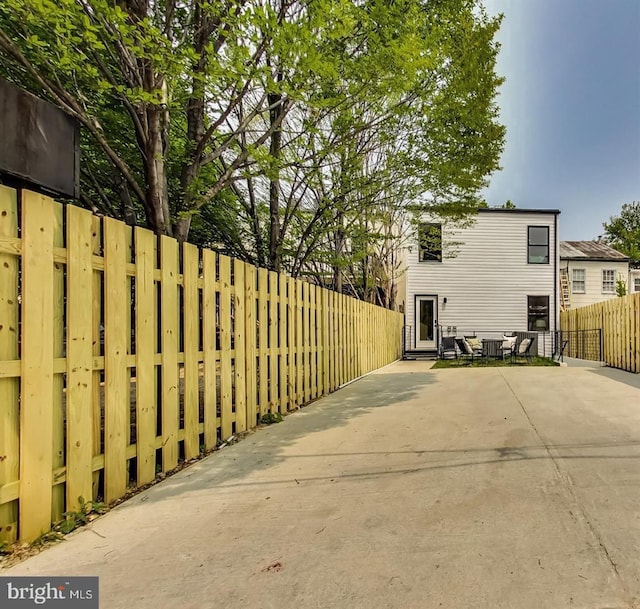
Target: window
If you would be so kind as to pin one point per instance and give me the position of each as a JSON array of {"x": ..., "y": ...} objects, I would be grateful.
[
  {"x": 538, "y": 313},
  {"x": 430, "y": 241},
  {"x": 636, "y": 284},
  {"x": 608, "y": 281},
  {"x": 577, "y": 281},
  {"x": 538, "y": 245}
]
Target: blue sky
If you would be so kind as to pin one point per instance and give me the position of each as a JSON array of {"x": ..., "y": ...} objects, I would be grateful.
[{"x": 571, "y": 105}]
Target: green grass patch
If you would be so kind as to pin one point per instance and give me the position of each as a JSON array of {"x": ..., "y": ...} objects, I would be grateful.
[
  {"x": 492, "y": 363},
  {"x": 270, "y": 418}
]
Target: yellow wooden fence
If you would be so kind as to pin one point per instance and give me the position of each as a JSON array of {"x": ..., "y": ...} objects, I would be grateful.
[
  {"x": 619, "y": 321},
  {"x": 122, "y": 353}
]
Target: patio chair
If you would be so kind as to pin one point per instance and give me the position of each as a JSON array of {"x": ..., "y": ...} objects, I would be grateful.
[
  {"x": 447, "y": 345},
  {"x": 508, "y": 346},
  {"x": 466, "y": 352},
  {"x": 524, "y": 350},
  {"x": 475, "y": 344}
]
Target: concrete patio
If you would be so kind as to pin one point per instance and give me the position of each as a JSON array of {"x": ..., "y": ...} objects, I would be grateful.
[{"x": 411, "y": 488}]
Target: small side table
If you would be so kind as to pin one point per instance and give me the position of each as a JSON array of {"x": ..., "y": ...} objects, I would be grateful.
[{"x": 491, "y": 347}]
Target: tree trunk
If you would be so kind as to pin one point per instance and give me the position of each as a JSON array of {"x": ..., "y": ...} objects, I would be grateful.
[
  {"x": 181, "y": 228},
  {"x": 275, "y": 236},
  {"x": 156, "y": 174},
  {"x": 339, "y": 240},
  {"x": 195, "y": 118}
]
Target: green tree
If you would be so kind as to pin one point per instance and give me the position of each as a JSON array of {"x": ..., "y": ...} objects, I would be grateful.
[
  {"x": 419, "y": 132},
  {"x": 269, "y": 128},
  {"x": 623, "y": 232},
  {"x": 621, "y": 287}
]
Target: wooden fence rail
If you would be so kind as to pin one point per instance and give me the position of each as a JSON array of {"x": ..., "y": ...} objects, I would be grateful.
[
  {"x": 619, "y": 321},
  {"x": 122, "y": 354}
]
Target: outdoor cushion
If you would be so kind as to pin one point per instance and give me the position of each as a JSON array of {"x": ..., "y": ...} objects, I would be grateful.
[
  {"x": 467, "y": 345},
  {"x": 509, "y": 342},
  {"x": 474, "y": 342},
  {"x": 523, "y": 346}
]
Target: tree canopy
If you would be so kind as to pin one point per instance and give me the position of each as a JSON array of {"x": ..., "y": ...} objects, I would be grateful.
[
  {"x": 290, "y": 133},
  {"x": 623, "y": 232}
]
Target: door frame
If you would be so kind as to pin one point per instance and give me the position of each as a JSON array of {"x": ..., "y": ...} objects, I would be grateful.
[{"x": 416, "y": 299}]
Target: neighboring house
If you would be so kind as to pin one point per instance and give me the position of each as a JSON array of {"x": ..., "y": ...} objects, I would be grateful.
[
  {"x": 592, "y": 270},
  {"x": 634, "y": 277},
  {"x": 500, "y": 274}
]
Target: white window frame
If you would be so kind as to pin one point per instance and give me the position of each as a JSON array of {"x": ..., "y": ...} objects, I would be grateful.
[
  {"x": 636, "y": 284},
  {"x": 606, "y": 282},
  {"x": 574, "y": 288}
]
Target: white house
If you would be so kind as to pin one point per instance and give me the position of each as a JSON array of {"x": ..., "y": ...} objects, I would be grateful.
[
  {"x": 592, "y": 269},
  {"x": 634, "y": 277},
  {"x": 500, "y": 274}
]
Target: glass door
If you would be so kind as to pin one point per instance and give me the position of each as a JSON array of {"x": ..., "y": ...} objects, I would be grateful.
[{"x": 426, "y": 311}]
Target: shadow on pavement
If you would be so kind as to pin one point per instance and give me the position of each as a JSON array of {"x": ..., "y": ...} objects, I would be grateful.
[
  {"x": 622, "y": 376},
  {"x": 264, "y": 448}
]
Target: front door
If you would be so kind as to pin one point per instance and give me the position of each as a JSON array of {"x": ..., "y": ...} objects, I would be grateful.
[{"x": 426, "y": 321}]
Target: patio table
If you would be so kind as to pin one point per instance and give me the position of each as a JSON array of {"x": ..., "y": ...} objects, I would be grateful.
[{"x": 491, "y": 347}]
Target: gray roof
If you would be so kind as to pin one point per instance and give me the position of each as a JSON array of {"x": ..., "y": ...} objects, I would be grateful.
[
  {"x": 516, "y": 210},
  {"x": 589, "y": 250}
]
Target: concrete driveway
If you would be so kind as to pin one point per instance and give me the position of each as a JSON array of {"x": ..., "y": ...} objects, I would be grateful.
[{"x": 411, "y": 488}]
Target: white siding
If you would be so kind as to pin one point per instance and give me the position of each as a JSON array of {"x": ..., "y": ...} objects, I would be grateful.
[
  {"x": 593, "y": 280},
  {"x": 487, "y": 283}
]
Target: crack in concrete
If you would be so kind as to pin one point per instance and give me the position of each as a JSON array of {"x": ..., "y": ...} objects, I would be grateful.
[{"x": 565, "y": 478}]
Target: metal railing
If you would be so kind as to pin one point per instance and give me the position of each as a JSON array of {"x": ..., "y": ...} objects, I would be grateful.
[{"x": 581, "y": 344}]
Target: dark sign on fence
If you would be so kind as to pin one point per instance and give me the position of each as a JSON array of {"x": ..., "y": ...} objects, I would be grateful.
[{"x": 39, "y": 144}]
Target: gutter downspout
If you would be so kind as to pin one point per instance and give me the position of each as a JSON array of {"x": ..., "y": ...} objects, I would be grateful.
[{"x": 556, "y": 262}]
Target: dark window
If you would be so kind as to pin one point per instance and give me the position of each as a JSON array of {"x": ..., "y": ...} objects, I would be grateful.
[
  {"x": 538, "y": 313},
  {"x": 538, "y": 245},
  {"x": 430, "y": 240}
]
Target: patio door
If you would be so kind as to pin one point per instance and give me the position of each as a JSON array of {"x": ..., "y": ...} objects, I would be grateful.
[{"x": 426, "y": 321}]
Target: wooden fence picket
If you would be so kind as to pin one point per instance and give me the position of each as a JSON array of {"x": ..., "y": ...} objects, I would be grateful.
[
  {"x": 191, "y": 340},
  {"x": 146, "y": 321},
  {"x": 226, "y": 385},
  {"x": 9, "y": 386},
  {"x": 209, "y": 348},
  {"x": 36, "y": 387},
  {"x": 291, "y": 344},
  {"x": 274, "y": 399},
  {"x": 170, "y": 318},
  {"x": 240, "y": 395},
  {"x": 251, "y": 330},
  {"x": 263, "y": 335},
  {"x": 58, "y": 492},
  {"x": 116, "y": 373},
  {"x": 79, "y": 457},
  {"x": 283, "y": 382}
]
